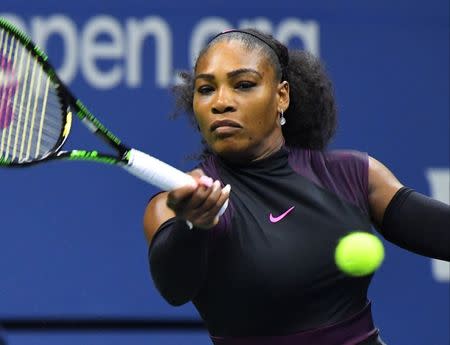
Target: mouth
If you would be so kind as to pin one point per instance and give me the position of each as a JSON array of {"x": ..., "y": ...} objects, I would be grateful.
[{"x": 221, "y": 125}]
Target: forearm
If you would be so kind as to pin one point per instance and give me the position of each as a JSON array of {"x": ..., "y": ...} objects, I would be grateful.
[
  {"x": 418, "y": 223},
  {"x": 178, "y": 261}
]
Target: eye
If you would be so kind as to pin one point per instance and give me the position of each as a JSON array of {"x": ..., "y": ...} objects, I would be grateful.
[
  {"x": 245, "y": 85},
  {"x": 205, "y": 89}
]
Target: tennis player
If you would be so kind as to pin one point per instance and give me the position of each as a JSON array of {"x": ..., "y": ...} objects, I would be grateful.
[{"x": 264, "y": 272}]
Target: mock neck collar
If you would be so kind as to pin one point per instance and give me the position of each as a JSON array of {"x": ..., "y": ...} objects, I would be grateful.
[{"x": 275, "y": 161}]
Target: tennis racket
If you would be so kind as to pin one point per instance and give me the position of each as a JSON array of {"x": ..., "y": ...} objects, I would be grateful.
[{"x": 36, "y": 110}]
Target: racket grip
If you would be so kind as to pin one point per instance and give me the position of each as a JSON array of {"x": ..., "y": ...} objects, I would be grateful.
[{"x": 158, "y": 173}]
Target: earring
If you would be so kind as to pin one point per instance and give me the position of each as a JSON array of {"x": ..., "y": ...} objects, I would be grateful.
[{"x": 282, "y": 118}]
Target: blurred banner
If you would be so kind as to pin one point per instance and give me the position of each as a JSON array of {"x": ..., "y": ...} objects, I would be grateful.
[{"x": 72, "y": 244}]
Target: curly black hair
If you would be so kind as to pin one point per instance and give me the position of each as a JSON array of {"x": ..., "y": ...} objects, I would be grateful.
[{"x": 311, "y": 118}]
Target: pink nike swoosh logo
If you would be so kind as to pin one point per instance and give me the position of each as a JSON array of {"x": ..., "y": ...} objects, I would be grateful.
[{"x": 281, "y": 216}]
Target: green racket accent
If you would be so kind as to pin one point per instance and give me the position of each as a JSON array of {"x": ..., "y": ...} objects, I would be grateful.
[
  {"x": 39, "y": 108},
  {"x": 91, "y": 156},
  {"x": 23, "y": 37},
  {"x": 20, "y": 34},
  {"x": 83, "y": 112},
  {"x": 4, "y": 161}
]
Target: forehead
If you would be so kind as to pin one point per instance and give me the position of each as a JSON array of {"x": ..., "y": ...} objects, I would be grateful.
[{"x": 233, "y": 55}]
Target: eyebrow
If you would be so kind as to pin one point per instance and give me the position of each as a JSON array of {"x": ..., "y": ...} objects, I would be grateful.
[{"x": 231, "y": 74}]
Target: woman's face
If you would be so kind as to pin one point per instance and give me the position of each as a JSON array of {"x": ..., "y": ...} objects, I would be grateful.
[{"x": 237, "y": 102}]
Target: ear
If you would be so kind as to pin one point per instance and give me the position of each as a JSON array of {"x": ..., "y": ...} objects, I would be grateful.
[{"x": 283, "y": 96}]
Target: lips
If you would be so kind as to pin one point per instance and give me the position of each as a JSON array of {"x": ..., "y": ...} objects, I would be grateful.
[{"x": 224, "y": 123}]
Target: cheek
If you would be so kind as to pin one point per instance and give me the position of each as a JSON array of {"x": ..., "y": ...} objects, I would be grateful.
[
  {"x": 262, "y": 116},
  {"x": 202, "y": 124}
]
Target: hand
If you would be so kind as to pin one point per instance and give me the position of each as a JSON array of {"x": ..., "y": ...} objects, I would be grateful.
[{"x": 199, "y": 203}]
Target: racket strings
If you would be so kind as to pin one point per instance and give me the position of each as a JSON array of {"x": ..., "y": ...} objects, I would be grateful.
[{"x": 30, "y": 111}]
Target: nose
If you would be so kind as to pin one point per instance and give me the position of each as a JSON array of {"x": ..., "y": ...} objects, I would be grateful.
[{"x": 223, "y": 102}]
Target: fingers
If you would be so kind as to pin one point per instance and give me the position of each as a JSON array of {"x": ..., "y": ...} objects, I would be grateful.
[
  {"x": 179, "y": 195},
  {"x": 200, "y": 203},
  {"x": 206, "y": 215},
  {"x": 190, "y": 197},
  {"x": 217, "y": 208},
  {"x": 213, "y": 205},
  {"x": 213, "y": 196},
  {"x": 203, "y": 194},
  {"x": 205, "y": 200},
  {"x": 200, "y": 177}
]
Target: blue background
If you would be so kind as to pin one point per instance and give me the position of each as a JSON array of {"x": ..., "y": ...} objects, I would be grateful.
[{"x": 71, "y": 243}]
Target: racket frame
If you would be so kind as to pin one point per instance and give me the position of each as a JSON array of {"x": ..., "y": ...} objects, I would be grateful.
[
  {"x": 69, "y": 104},
  {"x": 140, "y": 164}
]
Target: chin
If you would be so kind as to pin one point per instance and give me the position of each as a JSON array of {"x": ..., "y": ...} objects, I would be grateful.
[{"x": 232, "y": 151}]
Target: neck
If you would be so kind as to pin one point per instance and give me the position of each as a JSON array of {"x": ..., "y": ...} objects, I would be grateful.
[{"x": 274, "y": 146}]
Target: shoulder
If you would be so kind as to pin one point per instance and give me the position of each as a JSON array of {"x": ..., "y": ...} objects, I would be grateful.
[
  {"x": 343, "y": 172},
  {"x": 349, "y": 164},
  {"x": 346, "y": 156},
  {"x": 350, "y": 173},
  {"x": 345, "y": 163},
  {"x": 330, "y": 157},
  {"x": 350, "y": 169},
  {"x": 333, "y": 161}
]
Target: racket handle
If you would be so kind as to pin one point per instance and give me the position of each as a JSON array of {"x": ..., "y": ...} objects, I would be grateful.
[{"x": 158, "y": 173}]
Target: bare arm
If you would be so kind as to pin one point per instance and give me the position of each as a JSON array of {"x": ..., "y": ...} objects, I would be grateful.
[{"x": 382, "y": 187}]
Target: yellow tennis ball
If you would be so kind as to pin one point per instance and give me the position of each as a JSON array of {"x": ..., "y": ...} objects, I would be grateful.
[{"x": 359, "y": 254}]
